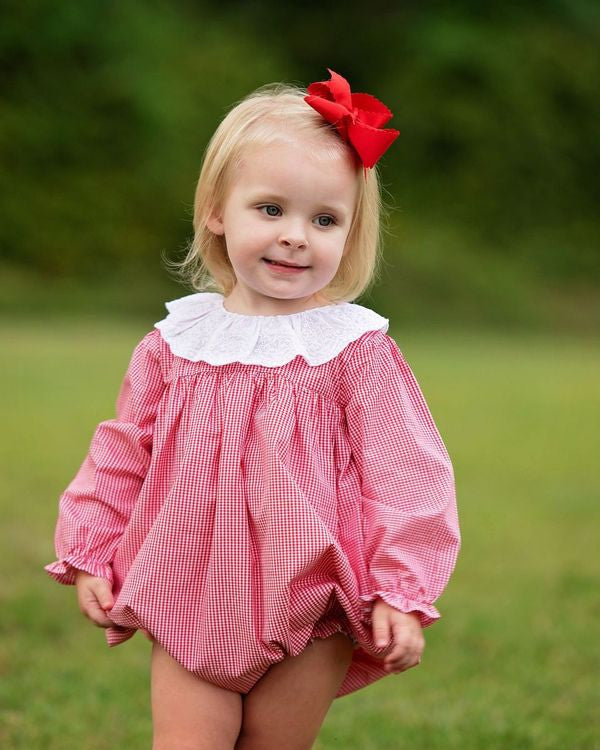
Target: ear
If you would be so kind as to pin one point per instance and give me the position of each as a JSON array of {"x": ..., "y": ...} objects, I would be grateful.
[{"x": 215, "y": 223}]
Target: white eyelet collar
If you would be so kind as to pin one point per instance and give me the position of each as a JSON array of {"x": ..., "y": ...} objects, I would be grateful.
[{"x": 199, "y": 327}]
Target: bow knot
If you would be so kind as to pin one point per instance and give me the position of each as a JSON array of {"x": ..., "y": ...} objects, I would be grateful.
[{"x": 357, "y": 117}]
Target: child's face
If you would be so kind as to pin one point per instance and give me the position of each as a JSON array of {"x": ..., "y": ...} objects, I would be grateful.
[{"x": 288, "y": 202}]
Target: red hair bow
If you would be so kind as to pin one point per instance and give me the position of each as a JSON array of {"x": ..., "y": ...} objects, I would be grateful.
[{"x": 358, "y": 117}]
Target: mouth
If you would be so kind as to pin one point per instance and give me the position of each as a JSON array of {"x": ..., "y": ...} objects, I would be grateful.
[{"x": 284, "y": 264}]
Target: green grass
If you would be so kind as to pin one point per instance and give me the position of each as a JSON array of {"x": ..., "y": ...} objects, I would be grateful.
[{"x": 513, "y": 663}]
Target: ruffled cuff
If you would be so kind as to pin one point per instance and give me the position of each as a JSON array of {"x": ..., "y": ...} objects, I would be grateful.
[
  {"x": 64, "y": 570},
  {"x": 427, "y": 612}
]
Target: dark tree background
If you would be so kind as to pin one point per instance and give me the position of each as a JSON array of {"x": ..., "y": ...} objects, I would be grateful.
[{"x": 493, "y": 184}]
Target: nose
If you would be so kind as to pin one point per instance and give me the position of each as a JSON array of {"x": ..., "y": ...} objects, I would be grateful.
[{"x": 293, "y": 237}]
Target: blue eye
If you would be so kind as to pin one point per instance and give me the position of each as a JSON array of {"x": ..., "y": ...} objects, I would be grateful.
[
  {"x": 271, "y": 205},
  {"x": 272, "y": 210},
  {"x": 330, "y": 218}
]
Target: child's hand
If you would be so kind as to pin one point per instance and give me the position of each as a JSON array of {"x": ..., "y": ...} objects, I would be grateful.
[
  {"x": 407, "y": 636},
  {"x": 95, "y": 598}
]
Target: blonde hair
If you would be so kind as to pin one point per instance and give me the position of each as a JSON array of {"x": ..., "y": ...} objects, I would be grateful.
[{"x": 263, "y": 117}]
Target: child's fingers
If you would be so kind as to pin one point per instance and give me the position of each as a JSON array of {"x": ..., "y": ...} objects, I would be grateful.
[
  {"x": 89, "y": 606},
  {"x": 410, "y": 659},
  {"x": 381, "y": 627},
  {"x": 407, "y": 650},
  {"x": 97, "y": 614},
  {"x": 95, "y": 599}
]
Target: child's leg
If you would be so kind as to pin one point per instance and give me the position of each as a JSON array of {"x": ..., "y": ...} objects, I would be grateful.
[
  {"x": 189, "y": 713},
  {"x": 286, "y": 707}
]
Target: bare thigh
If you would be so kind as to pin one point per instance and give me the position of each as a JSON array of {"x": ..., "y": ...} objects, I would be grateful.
[
  {"x": 189, "y": 713},
  {"x": 287, "y": 706}
]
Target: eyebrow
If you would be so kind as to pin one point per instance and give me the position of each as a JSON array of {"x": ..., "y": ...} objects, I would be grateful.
[{"x": 265, "y": 195}]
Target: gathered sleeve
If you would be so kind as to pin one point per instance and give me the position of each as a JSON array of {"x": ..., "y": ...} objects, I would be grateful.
[
  {"x": 95, "y": 508},
  {"x": 409, "y": 512}
]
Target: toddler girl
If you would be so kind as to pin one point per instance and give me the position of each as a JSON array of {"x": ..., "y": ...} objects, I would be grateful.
[{"x": 273, "y": 505}]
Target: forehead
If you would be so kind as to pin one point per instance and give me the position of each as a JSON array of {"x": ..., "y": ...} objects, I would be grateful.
[{"x": 298, "y": 166}]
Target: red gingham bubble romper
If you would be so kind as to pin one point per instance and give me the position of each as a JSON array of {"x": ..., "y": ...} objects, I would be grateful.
[{"x": 264, "y": 480}]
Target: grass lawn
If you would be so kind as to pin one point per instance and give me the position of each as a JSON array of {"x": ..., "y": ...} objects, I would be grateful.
[{"x": 514, "y": 661}]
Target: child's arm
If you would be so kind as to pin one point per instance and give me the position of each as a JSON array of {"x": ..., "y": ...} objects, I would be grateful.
[
  {"x": 410, "y": 522},
  {"x": 96, "y": 506}
]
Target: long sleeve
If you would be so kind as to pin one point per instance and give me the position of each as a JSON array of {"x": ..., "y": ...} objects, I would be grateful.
[
  {"x": 96, "y": 506},
  {"x": 410, "y": 520}
]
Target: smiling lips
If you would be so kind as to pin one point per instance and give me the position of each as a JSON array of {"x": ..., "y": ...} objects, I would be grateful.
[{"x": 284, "y": 265}]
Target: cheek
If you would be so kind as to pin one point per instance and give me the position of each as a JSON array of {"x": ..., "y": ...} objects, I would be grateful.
[
  {"x": 246, "y": 238},
  {"x": 333, "y": 246}
]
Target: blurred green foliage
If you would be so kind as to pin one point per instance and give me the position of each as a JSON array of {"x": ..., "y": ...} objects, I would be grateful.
[{"x": 108, "y": 106}]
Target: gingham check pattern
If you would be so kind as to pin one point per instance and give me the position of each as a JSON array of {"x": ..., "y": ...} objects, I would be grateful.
[{"x": 240, "y": 510}]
